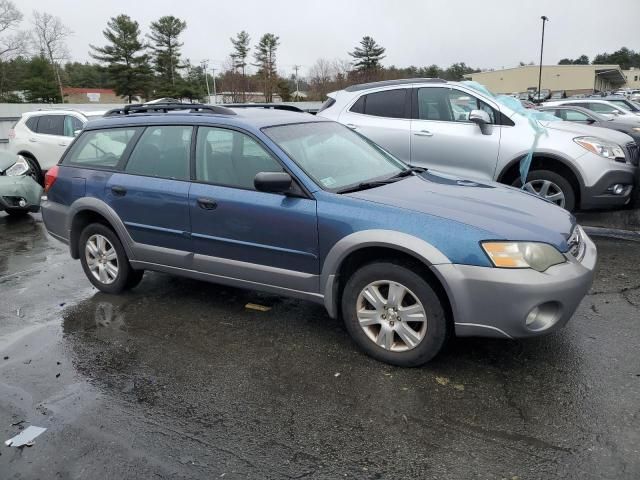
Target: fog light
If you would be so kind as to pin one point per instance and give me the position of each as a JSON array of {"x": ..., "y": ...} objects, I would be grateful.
[
  {"x": 543, "y": 316},
  {"x": 22, "y": 203},
  {"x": 617, "y": 189}
]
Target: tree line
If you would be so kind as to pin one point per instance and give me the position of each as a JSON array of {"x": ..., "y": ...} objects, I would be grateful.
[{"x": 35, "y": 64}]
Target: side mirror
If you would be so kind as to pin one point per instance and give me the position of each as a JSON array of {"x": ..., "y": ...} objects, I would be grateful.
[
  {"x": 590, "y": 121},
  {"x": 482, "y": 119},
  {"x": 272, "y": 182},
  {"x": 76, "y": 133}
]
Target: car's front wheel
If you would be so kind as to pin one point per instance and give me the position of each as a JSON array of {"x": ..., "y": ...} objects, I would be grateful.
[
  {"x": 105, "y": 261},
  {"x": 394, "y": 314},
  {"x": 551, "y": 186}
]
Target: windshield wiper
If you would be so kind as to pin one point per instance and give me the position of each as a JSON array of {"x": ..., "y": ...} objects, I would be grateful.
[{"x": 377, "y": 183}]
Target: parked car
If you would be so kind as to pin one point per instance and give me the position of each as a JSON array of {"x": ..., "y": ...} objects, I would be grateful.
[
  {"x": 414, "y": 120},
  {"x": 41, "y": 137},
  {"x": 558, "y": 94},
  {"x": 19, "y": 192},
  {"x": 603, "y": 107},
  {"x": 585, "y": 116},
  {"x": 624, "y": 103},
  {"x": 301, "y": 206}
]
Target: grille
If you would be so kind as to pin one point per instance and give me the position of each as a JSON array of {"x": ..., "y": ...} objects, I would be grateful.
[
  {"x": 634, "y": 152},
  {"x": 576, "y": 243}
]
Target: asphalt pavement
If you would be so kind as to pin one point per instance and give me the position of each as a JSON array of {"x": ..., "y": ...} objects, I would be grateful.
[{"x": 178, "y": 379}]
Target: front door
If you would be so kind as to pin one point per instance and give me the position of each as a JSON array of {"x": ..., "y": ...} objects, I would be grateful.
[
  {"x": 242, "y": 233},
  {"x": 443, "y": 138}
]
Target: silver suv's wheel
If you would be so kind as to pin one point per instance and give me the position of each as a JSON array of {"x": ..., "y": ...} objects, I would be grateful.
[
  {"x": 547, "y": 190},
  {"x": 102, "y": 259},
  {"x": 391, "y": 316},
  {"x": 393, "y": 313}
]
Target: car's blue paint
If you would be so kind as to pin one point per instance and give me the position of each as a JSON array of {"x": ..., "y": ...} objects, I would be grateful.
[{"x": 297, "y": 233}]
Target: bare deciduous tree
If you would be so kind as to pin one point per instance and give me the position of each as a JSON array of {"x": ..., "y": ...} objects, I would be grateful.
[
  {"x": 10, "y": 17},
  {"x": 321, "y": 75},
  {"x": 342, "y": 68},
  {"x": 50, "y": 37}
]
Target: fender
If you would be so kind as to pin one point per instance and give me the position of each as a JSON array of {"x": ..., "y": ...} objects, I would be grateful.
[
  {"x": 98, "y": 206},
  {"x": 402, "y": 242},
  {"x": 550, "y": 155}
]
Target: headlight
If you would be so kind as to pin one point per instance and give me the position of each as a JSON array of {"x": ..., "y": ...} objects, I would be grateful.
[
  {"x": 600, "y": 147},
  {"x": 538, "y": 256},
  {"x": 19, "y": 168}
]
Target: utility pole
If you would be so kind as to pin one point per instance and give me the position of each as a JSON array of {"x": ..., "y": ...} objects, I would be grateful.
[
  {"x": 544, "y": 20},
  {"x": 215, "y": 94},
  {"x": 204, "y": 65},
  {"x": 296, "y": 67}
]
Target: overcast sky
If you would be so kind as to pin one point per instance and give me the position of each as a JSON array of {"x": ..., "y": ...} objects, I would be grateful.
[{"x": 486, "y": 34}]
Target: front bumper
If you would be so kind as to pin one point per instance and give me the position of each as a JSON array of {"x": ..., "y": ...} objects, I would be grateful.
[
  {"x": 13, "y": 189},
  {"x": 599, "y": 196},
  {"x": 495, "y": 302}
]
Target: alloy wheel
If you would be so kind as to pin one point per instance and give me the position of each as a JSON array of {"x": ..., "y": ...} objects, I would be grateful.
[
  {"x": 547, "y": 190},
  {"x": 391, "y": 316},
  {"x": 102, "y": 258}
]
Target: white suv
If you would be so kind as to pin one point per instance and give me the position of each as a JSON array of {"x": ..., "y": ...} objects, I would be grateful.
[{"x": 42, "y": 137}]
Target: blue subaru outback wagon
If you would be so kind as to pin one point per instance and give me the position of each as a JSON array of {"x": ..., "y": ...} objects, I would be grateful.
[{"x": 301, "y": 206}]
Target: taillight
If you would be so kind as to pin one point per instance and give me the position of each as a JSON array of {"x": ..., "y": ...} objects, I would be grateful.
[{"x": 50, "y": 178}]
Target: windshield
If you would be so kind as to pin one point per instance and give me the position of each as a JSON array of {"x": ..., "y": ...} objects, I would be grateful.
[{"x": 334, "y": 156}]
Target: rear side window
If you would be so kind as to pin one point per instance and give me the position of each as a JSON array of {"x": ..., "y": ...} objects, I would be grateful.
[
  {"x": 101, "y": 148},
  {"x": 231, "y": 158},
  {"x": 162, "y": 152},
  {"x": 32, "y": 124},
  {"x": 51, "y": 125},
  {"x": 389, "y": 104}
]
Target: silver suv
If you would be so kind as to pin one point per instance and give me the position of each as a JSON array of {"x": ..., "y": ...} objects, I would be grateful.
[{"x": 453, "y": 127}]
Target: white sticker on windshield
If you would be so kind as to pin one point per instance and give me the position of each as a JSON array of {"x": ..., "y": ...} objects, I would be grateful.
[{"x": 328, "y": 182}]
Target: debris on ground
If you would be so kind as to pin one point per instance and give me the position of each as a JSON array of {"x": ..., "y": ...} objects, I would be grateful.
[
  {"x": 337, "y": 374},
  {"x": 442, "y": 380},
  {"x": 26, "y": 437},
  {"x": 255, "y": 306}
]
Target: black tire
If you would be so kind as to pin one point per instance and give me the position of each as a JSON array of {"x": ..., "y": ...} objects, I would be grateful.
[
  {"x": 36, "y": 172},
  {"x": 562, "y": 183},
  {"x": 17, "y": 212},
  {"x": 126, "y": 276},
  {"x": 437, "y": 327}
]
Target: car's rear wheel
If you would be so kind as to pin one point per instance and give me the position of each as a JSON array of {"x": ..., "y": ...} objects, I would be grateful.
[
  {"x": 105, "y": 261},
  {"x": 394, "y": 314},
  {"x": 551, "y": 186}
]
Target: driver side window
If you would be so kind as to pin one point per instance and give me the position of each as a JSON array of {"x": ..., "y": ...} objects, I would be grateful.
[{"x": 449, "y": 105}]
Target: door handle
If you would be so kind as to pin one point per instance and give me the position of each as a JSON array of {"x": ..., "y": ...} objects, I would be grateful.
[
  {"x": 119, "y": 191},
  {"x": 352, "y": 126},
  {"x": 63, "y": 144},
  {"x": 207, "y": 203},
  {"x": 423, "y": 133},
  {"x": 32, "y": 140}
]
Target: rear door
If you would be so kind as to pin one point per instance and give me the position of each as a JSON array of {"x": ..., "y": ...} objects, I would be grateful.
[
  {"x": 443, "y": 138},
  {"x": 48, "y": 142},
  {"x": 384, "y": 117},
  {"x": 242, "y": 233},
  {"x": 151, "y": 194}
]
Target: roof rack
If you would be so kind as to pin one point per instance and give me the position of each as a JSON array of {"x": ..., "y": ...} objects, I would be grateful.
[
  {"x": 168, "y": 107},
  {"x": 389, "y": 83},
  {"x": 268, "y": 106}
]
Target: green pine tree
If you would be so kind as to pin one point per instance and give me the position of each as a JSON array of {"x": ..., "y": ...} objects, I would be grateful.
[
  {"x": 124, "y": 56},
  {"x": 367, "y": 58},
  {"x": 165, "y": 47},
  {"x": 265, "y": 56},
  {"x": 240, "y": 52}
]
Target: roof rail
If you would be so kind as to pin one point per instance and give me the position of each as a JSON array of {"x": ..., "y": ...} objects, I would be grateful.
[
  {"x": 168, "y": 107},
  {"x": 268, "y": 106},
  {"x": 389, "y": 83}
]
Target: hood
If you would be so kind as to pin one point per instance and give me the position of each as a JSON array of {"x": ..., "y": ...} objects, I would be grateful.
[
  {"x": 505, "y": 213},
  {"x": 580, "y": 130}
]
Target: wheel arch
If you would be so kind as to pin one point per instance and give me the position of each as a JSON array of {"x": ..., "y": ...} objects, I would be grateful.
[
  {"x": 89, "y": 210},
  {"x": 546, "y": 161},
  {"x": 365, "y": 246}
]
